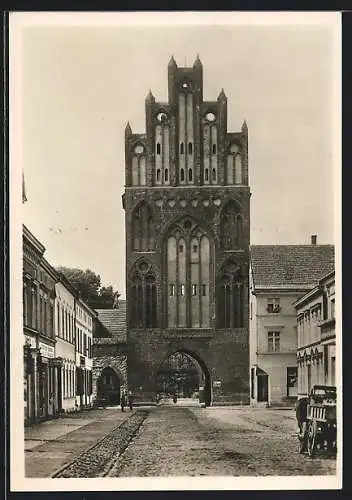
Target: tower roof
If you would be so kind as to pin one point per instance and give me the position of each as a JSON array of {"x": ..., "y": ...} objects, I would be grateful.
[
  {"x": 197, "y": 63},
  {"x": 172, "y": 62},
  {"x": 128, "y": 130},
  {"x": 150, "y": 96},
  {"x": 222, "y": 95}
]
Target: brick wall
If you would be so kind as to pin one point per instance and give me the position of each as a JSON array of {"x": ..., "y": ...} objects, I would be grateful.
[{"x": 113, "y": 356}]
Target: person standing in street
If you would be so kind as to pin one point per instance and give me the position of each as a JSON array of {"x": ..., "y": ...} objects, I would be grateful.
[
  {"x": 123, "y": 401},
  {"x": 130, "y": 400}
]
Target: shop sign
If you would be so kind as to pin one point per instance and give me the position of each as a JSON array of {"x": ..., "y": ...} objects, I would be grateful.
[
  {"x": 46, "y": 350},
  {"x": 217, "y": 383},
  {"x": 30, "y": 341}
]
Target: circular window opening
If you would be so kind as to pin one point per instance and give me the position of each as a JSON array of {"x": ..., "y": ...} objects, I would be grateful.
[
  {"x": 161, "y": 117},
  {"x": 210, "y": 117},
  {"x": 138, "y": 149},
  {"x": 143, "y": 266},
  {"x": 185, "y": 85},
  {"x": 234, "y": 148}
]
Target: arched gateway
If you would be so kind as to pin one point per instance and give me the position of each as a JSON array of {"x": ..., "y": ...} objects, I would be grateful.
[
  {"x": 187, "y": 242},
  {"x": 108, "y": 386},
  {"x": 185, "y": 374}
]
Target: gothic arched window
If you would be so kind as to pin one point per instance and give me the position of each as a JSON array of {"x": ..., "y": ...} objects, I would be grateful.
[
  {"x": 143, "y": 236},
  {"x": 188, "y": 274},
  {"x": 143, "y": 297},
  {"x": 234, "y": 165},
  {"x": 230, "y": 296},
  {"x": 162, "y": 148},
  {"x": 138, "y": 165},
  {"x": 231, "y": 226}
]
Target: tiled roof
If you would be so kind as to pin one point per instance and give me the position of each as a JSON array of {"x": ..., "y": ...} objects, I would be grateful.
[
  {"x": 115, "y": 322},
  {"x": 290, "y": 266}
]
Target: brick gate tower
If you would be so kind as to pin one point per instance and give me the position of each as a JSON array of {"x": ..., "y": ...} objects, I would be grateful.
[{"x": 187, "y": 219}]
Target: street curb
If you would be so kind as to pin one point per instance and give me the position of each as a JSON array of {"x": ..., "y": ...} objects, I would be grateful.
[{"x": 63, "y": 467}]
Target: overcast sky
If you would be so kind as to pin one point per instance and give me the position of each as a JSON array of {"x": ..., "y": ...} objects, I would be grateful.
[{"x": 81, "y": 85}]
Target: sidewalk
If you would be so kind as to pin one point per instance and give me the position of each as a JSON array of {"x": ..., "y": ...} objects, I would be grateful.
[{"x": 51, "y": 444}]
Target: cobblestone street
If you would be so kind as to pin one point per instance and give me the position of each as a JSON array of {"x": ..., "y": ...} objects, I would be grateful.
[
  {"x": 172, "y": 440},
  {"x": 219, "y": 441}
]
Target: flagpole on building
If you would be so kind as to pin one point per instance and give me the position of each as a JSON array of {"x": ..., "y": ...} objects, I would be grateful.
[{"x": 24, "y": 196}]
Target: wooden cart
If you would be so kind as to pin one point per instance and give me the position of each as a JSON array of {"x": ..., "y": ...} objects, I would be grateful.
[{"x": 321, "y": 428}]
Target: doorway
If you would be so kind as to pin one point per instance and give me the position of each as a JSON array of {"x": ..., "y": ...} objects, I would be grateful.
[
  {"x": 263, "y": 388},
  {"x": 108, "y": 386},
  {"x": 183, "y": 373}
]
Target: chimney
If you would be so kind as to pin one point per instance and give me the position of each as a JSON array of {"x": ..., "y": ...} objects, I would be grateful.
[{"x": 314, "y": 239}]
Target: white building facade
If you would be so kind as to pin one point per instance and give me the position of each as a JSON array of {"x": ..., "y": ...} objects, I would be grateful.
[
  {"x": 85, "y": 318},
  {"x": 65, "y": 320},
  {"x": 279, "y": 276},
  {"x": 273, "y": 347},
  {"x": 316, "y": 349}
]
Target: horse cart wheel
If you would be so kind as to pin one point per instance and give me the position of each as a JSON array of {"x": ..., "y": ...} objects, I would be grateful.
[
  {"x": 312, "y": 433},
  {"x": 302, "y": 437}
]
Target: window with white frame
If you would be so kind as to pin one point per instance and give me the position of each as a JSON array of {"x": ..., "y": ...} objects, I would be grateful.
[{"x": 273, "y": 341}]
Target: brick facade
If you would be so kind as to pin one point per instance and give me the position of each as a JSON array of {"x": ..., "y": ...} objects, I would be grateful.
[{"x": 193, "y": 176}]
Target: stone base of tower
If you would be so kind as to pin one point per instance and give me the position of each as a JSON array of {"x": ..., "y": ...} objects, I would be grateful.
[{"x": 222, "y": 357}]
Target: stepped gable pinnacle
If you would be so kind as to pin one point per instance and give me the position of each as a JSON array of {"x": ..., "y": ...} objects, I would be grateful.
[
  {"x": 222, "y": 95},
  {"x": 128, "y": 130},
  {"x": 244, "y": 126},
  {"x": 150, "y": 97},
  {"x": 172, "y": 62},
  {"x": 197, "y": 63}
]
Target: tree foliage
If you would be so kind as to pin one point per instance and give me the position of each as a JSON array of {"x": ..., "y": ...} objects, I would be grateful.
[{"x": 89, "y": 286}]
